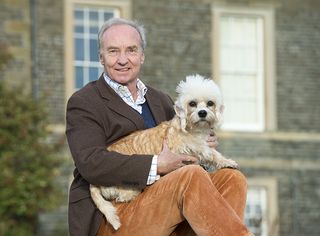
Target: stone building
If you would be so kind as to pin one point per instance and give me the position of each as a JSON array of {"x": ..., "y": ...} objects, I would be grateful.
[{"x": 265, "y": 55}]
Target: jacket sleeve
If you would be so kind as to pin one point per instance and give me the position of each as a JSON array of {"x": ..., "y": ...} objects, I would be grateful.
[{"x": 87, "y": 142}]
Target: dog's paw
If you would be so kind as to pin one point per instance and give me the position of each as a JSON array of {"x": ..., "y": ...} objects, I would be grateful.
[
  {"x": 127, "y": 195},
  {"x": 224, "y": 163},
  {"x": 115, "y": 222},
  {"x": 124, "y": 198}
]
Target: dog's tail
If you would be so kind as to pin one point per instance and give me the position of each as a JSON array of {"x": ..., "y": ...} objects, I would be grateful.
[{"x": 106, "y": 207}]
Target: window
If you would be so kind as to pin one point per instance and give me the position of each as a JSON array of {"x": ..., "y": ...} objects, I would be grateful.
[
  {"x": 243, "y": 66},
  {"x": 83, "y": 21},
  {"x": 261, "y": 209},
  {"x": 255, "y": 210},
  {"x": 87, "y": 21}
]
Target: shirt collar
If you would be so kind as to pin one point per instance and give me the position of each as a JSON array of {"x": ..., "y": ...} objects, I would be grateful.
[{"x": 119, "y": 88}]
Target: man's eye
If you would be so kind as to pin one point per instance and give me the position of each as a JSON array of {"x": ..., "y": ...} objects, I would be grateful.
[
  {"x": 132, "y": 50},
  {"x": 192, "y": 104},
  {"x": 112, "y": 51},
  {"x": 210, "y": 103}
]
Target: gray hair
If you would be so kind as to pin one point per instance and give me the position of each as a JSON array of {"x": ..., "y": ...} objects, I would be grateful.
[{"x": 120, "y": 21}]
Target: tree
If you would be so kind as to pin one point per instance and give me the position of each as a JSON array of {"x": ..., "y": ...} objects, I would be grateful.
[{"x": 28, "y": 162}]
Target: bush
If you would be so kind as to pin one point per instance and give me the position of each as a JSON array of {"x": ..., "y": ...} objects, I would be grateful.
[{"x": 28, "y": 163}]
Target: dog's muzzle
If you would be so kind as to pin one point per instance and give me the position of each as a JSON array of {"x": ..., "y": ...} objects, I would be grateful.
[{"x": 202, "y": 113}]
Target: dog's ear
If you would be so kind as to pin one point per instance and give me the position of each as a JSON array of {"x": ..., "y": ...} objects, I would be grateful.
[
  {"x": 181, "y": 114},
  {"x": 219, "y": 113},
  {"x": 221, "y": 109}
]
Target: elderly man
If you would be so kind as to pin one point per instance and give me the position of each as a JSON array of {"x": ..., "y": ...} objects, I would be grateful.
[{"x": 186, "y": 199}]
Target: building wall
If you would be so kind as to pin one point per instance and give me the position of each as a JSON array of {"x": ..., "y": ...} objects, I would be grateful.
[
  {"x": 178, "y": 37},
  {"x": 297, "y": 45},
  {"x": 15, "y": 32},
  {"x": 49, "y": 55},
  {"x": 294, "y": 162}
]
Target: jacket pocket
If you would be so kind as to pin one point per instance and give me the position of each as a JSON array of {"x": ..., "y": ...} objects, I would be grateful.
[{"x": 78, "y": 193}]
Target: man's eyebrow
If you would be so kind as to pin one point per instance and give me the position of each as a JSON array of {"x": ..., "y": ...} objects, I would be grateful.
[
  {"x": 133, "y": 47},
  {"x": 115, "y": 47},
  {"x": 112, "y": 47}
]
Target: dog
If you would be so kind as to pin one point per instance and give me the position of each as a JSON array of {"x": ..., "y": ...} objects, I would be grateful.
[{"x": 198, "y": 108}]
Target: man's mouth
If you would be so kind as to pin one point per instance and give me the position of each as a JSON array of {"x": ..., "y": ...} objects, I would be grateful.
[{"x": 122, "y": 69}]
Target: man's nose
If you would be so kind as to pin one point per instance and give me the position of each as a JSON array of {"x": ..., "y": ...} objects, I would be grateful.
[{"x": 122, "y": 58}]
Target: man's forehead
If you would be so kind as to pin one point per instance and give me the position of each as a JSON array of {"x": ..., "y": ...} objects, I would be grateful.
[
  {"x": 121, "y": 35},
  {"x": 122, "y": 30}
]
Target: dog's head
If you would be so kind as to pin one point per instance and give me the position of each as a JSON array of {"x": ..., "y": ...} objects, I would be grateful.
[{"x": 199, "y": 103}]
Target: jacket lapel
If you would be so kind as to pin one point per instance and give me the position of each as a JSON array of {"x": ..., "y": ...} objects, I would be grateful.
[{"x": 115, "y": 103}]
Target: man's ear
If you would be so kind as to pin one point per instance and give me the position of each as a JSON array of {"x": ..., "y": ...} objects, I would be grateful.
[
  {"x": 181, "y": 113},
  {"x": 101, "y": 59},
  {"x": 142, "y": 59}
]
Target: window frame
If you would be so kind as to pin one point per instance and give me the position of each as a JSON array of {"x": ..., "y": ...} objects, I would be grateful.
[
  {"x": 269, "y": 81},
  {"x": 124, "y": 8}
]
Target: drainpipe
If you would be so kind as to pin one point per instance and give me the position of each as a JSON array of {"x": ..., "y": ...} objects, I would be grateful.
[{"x": 34, "y": 60}]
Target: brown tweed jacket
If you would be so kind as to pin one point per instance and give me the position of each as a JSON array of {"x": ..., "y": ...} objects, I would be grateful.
[{"x": 96, "y": 117}]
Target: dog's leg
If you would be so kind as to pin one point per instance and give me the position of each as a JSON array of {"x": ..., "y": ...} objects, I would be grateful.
[
  {"x": 106, "y": 207},
  {"x": 222, "y": 162},
  {"x": 126, "y": 195}
]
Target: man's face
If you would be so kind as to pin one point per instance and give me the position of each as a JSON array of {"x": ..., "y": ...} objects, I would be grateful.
[{"x": 121, "y": 54}]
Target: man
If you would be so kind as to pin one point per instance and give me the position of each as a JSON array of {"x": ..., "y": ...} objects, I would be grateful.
[{"x": 184, "y": 199}]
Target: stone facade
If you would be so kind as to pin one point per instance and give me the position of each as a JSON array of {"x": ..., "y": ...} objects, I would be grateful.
[
  {"x": 49, "y": 55},
  {"x": 178, "y": 44},
  {"x": 15, "y": 31},
  {"x": 297, "y": 40}
]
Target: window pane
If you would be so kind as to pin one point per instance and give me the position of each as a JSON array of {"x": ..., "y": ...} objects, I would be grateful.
[
  {"x": 78, "y": 14},
  {"x": 93, "y": 16},
  {"x": 94, "y": 30},
  {"x": 79, "y": 77},
  {"x": 78, "y": 29},
  {"x": 79, "y": 49},
  {"x": 93, "y": 73},
  {"x": 108, "y": 15},
  {"x": 94, "y": 50}
]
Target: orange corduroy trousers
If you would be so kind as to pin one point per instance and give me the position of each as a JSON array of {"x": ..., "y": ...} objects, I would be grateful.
[{"x": 188, "y": 201}]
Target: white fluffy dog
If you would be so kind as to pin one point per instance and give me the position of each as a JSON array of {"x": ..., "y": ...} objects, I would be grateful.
[{"x": 198, "y": 109}]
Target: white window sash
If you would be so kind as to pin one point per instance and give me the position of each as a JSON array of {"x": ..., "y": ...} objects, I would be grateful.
[{"x": 233, "y": 122}]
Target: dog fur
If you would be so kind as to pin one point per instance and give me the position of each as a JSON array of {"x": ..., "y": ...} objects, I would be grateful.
[{"x": 199, "y": 108}]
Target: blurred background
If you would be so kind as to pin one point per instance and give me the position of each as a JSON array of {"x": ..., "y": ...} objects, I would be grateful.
[{"x": 264, "y": 54}]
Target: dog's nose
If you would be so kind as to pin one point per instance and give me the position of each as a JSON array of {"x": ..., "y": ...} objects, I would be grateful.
[{"x": 202, "y": 113}]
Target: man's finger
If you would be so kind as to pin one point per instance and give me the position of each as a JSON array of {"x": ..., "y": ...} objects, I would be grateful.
[{"x": 187, "y": 162}]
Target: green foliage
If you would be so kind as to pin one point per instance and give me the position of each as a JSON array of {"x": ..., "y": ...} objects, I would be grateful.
[{"x": 28, "y": 163}]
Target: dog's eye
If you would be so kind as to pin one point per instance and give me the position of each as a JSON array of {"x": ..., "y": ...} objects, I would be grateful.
[
  {"x": 210, "y": 103},
  {"x": 192, "y": 104}
]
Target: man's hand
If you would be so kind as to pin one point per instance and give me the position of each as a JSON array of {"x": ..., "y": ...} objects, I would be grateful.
[{"x": 169, "y": 161}]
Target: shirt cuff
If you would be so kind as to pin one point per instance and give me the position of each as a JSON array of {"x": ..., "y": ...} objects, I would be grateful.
[{"x": 153, "y": 177}]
